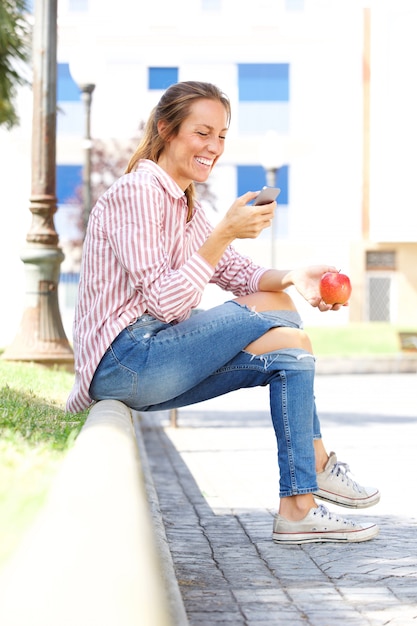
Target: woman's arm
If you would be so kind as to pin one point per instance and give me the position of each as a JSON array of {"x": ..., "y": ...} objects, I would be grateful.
[
  {"x": 240, "y": 222},
  {"x": 243, "y": 221},
  {"x": 305, "y": 280}
]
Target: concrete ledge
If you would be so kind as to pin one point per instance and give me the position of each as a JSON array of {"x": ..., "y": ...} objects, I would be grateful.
[
  {"x": 393, "y": 364},
  {"x": 172, "y": 590},
  {"x": 91, "y": 557}
]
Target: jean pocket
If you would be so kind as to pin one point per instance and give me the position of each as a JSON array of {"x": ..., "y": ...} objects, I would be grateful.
[{"x": 113, "y": 380}]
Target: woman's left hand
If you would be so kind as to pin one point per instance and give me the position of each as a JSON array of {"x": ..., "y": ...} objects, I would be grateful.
[{"x": 307, "y": 282}]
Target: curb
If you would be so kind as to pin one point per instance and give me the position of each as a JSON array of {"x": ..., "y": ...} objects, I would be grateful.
[
  {"x": 175, "y": 601},
  {"x": 393, "y": 364},
  {"x": 91, "y": 557}
]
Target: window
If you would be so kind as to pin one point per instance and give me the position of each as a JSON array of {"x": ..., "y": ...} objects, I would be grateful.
[
  {"x": 68, "y": 218},
  {"x": 294, "y": 5},
  {"x": 69, "y": 183},
  {"x": 67, "y": 88},
  {"x": 263, "y": 82},
  {"x": 70, "y": 112},
  {"x": 264, "y": 93},
  {"x": 380, "y": 260},
  {"x": 252, "y": 178},
  {"x": 381, "y": 283},
  {"x": 211, "y": 5},
  {"x": 380, "y": 299},
  {"x": 77, "y": 5},
  {"x": 162, "y": 77}
]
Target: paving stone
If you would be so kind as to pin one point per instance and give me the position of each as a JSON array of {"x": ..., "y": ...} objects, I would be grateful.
[{"x": 216, "y": 481}]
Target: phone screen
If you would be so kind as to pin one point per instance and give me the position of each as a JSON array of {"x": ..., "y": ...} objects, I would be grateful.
[{"x": 267, "y": 195}]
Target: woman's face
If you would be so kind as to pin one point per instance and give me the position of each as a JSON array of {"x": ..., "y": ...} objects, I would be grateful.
[{"x": 191, "y": 155}]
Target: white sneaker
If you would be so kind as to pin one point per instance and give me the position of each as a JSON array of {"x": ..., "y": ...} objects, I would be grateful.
[
  {"x": 335, "y": 485},
  {"x": 319, "y": 525}
]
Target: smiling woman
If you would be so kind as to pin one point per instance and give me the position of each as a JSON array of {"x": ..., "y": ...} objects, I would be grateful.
[
  {"x": 149, "y": 254},
  {"x": 191, "y": 154},
  {"x": 173, "y": 109}
]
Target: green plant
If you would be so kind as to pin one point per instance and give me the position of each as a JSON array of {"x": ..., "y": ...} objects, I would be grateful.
[
  {"x": 355, "y": 339},
  {"x": 35, "y": 434}
]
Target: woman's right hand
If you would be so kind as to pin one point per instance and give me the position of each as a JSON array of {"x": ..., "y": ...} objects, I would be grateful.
[
  {"x": 240, "y": 222},
  {"x": 244, "y": 221}
]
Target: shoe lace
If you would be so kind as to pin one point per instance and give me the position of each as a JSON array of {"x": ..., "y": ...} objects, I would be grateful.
[
  {"x": 324, "y": 512},
  {"x": 341, "y": 470}
]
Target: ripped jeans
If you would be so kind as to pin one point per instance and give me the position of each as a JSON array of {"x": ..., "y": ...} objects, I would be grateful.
[{"x": 155, "y": 366}]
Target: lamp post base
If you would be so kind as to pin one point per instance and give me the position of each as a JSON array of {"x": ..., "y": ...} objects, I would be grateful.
[
  {"x": 28, "y": 346},
  {"x": 41, "y": 336}
]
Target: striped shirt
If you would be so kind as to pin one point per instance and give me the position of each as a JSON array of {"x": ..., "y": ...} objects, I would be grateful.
[{"x": 140, "y": 254}]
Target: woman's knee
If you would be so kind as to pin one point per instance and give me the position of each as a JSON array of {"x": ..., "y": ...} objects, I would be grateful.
[
  {"x": 280, "y": 339},
  {"x": 268, "y": 301}
]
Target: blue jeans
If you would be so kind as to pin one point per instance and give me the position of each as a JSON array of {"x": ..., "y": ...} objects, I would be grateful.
[{"x": 154, "y": 366}]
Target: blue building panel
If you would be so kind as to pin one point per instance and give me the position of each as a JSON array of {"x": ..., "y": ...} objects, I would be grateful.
[
  {"x": 253, "y": 177},
  {"x": 162, "y": 77},
  {"x": 263, "y": 82},
  {"x": 69, "y": 184},
  {"x": 70, "y": 118},
  {"x": 67, "y": 88}
]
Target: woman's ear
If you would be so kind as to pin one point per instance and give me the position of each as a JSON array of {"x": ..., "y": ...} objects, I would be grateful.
[{"x": 161, "y": 126}]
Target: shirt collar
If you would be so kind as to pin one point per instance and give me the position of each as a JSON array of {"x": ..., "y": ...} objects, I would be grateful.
[{"x": 164, "y": 179}]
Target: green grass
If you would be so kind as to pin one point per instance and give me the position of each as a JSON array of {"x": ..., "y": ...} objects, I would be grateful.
[
  {"x": 355, "y": 339},
  {"x": 35, "y": 434}
]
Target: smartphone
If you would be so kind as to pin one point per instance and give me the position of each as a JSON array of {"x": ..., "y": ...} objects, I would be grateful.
[{"x": 267, "y": 195}]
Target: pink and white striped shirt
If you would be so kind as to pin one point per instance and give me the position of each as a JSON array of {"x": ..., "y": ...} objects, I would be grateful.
[{"x": 140, "y": 254}]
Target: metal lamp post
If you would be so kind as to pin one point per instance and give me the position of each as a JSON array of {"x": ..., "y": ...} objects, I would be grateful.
[
  {"x": 81, "y": 74},
  {"x": 270, "y": 157},
  {"x": 41, "y": 336}
]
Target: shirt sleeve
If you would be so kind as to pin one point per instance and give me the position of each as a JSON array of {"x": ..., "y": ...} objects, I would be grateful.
[
  {"x": 237, "y": 273},
  {"x": 146, "y": 242}
]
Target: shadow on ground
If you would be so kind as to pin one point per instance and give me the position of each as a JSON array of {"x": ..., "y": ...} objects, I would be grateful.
[{"x": 227, "y": 565}]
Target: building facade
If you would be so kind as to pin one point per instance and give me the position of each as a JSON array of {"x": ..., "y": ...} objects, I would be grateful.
[{"x": 322, "y": 90}]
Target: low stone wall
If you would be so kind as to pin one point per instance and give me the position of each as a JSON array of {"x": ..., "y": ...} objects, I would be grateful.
[{"x": 92, "y": 557}]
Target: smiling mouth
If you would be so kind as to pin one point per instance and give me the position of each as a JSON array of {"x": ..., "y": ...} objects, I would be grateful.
[{"x": 206, "y": 162}]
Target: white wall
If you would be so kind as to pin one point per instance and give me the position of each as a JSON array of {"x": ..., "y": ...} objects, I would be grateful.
[
  {"x": 15, "y": 217},
  {"x": 323, "y": 45}
]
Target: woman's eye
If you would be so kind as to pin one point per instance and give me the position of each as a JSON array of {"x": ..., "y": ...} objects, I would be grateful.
[{"x": 202, "y": 134}]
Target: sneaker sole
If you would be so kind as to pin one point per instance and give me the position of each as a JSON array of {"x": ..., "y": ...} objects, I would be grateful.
[
  {"x": 354, "y": 536},
  {"x": 349, "y": 503}
]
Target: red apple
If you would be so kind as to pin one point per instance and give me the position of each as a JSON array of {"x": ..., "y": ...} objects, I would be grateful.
[{"x": 335, "y": 288}]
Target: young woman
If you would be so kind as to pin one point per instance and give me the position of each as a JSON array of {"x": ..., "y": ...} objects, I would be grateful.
[{"x": 149, "y": 253}]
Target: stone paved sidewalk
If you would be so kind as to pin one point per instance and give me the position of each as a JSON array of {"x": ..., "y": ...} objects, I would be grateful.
[{"x": 216, "y": 480}]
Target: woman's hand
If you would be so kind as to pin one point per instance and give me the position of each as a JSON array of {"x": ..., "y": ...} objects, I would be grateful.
[
  {"x": 240, "y": 222},
  {"x": 307, "y": 282},
  {"x": 243, "y": 221}
]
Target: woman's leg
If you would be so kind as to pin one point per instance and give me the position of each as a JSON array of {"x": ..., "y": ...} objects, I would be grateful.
[
  {"x": 335, "y": 484},
  {"x": 185, "y": 355},
  {"x": 293, "y": 507},
  {"x": 277, "y": 339},
  {"x": 152, "y": 362},
  {"x": 153, "y": 366}
]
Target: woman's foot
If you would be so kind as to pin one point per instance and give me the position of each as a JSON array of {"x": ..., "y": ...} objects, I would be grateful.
[
  {"x": 319, "y": 525},
  {"x": 337, "y": 485}
]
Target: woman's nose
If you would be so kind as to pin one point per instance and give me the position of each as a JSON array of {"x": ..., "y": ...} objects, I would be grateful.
[{"x": 215, "y": 146}]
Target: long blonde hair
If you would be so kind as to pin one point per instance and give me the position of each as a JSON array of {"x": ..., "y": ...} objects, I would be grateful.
[{"x": 173, "y": 108}]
